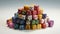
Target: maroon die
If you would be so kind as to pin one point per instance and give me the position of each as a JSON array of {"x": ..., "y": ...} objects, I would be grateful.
[
  {"x": 29, "y": 12},
  {"x": 19, "y": 11},
  {"x": 36, "y": 7}
]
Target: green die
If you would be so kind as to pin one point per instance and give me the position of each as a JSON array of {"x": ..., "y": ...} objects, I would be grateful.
[
  {"x": 23, "y": 12},
  {"x": 33, "y": 22},
  {"x": 36, "y": 21}
]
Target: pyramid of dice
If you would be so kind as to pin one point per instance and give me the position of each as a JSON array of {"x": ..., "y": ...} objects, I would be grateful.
[{"x": 29, "y": 18}]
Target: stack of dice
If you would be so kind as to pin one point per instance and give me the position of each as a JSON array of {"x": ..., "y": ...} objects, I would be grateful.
[{"x": 30, "y": 18}]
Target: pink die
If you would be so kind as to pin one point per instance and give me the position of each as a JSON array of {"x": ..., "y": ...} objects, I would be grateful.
[
  {"x": 35, "y": 17},
  {"x": 34, "y": 12},
  {"x": 10, "y": 24}
]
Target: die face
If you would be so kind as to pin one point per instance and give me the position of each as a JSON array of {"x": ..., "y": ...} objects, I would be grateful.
[
  {"x": 16, "y": 15},
  {"x": 27, "y": 27},
  {"x": 20, "y": 16},
  {"x": 44, "y": 16},
  {"x": 37, "y": 21},
  {"x": 43, "y": 25},
  {"x": 21, "y": 27},
  {"x": 35, "y": 17},
  {"x": 39, "y": 26},
  {"x": 36, "y": 7},
  {"x": 26, "y": 7},
  {"x": 33, "y": 27},
  {"x": 16, "y": 26},
  {"x": 19, "y": 11},
  {"x": 28, "y": 22},
  {"x": 39, "y": 16},
  {"x": 22, "y": 22},
  {"x": 47, "y": 25},
  {"x": 23, "y": 12},
  {"x": 51, "y": 22},
  {"x": 31, "y": 8},
  {"x": 33, "y": 22},
  {"x": 34, "y": 12},
  {"x": 15, "y": 20},
  {"x": 29, "y": 12},
  {"x": 11, "y": 25},
  {"x": 42, "y": 21},
  {"x": 24, "y": 17},
  {"x": 29, "y": 17}
]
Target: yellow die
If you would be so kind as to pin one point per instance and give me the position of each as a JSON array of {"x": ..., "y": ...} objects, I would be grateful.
[
  {"x": 26, "y": 7},
  {"x": 34, "y": 27},
  {"x": 39, "y": 26},
  {"x": 27, "y": 27},
  {"x": 40, "y": 16}
]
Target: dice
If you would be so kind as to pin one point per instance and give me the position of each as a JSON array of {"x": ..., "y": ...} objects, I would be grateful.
[
  {"x": 28, "y": 12},
  {"x": 51, "y": 23},
  {"x": 36, "y": 21},
  {"x": 44, "y": 16},
  {"x": 43, "y": 25},
  {"x": 33, "y": 22},
  {"x": 35, "y": 17},
  {"x": 34, "y": 12},
  {"x": 20, "y": 16},
  {"x": 31, "y": 8},
  {"x": 40, "y": 11},
  {"x": 16, "y": 26},
  {"x": 19, "y": 11},
  {"x": 22, "y": 22},
  {"x": 39, "y": 26},
  {"x": 21, "y": 27},
  {"x": 23, "y": 12},
  {"x": 28, "y": 22},
  {"x": 16, "y": 15},
  {"x": 26, "y": 7},
  {"x": 39, "y": 16},
  {"x": 34, "y": 27},
  {"x": 10, "y": 24},
  {"x": 27, "y": 27},
  {"x": 36, "y": 7},
  {"x": 29, "y": 17}
]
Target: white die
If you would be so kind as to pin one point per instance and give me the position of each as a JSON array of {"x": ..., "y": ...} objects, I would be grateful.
[{"x": 30, "y": 17}]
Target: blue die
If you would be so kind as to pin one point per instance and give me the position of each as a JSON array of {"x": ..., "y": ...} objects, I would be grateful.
[
  {"x": 16, "y": 26},
  {"x": 22, "y": 22},
  {"x": 21, "y": 27},
  {"x": 44, "y": 16},
  {"x": 16, "y": 15},
  {"x": 15, "y": 20}
]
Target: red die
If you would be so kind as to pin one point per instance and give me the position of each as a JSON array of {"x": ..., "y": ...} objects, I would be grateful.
[{"x": 43, "y": 25}]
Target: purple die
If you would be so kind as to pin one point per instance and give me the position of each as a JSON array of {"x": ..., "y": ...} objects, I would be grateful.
[{"x": 51, "y": 22}]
